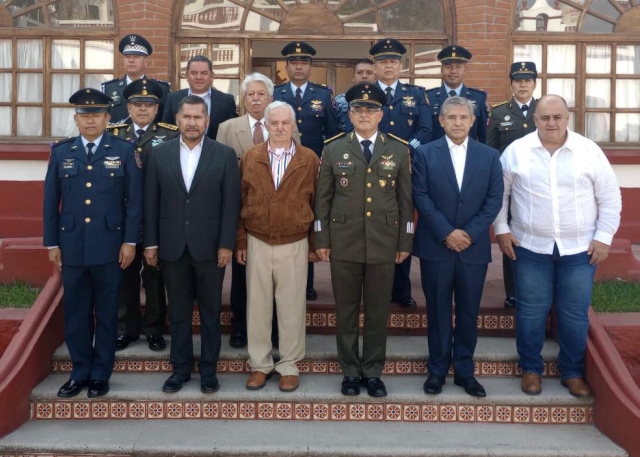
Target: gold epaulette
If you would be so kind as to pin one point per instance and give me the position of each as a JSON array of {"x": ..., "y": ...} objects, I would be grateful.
[
  {"x": 168, "y": 126},
  {"x": 499, "y": 104},
  {"x": 62, "y": 141},
  {"x": 329, "y": 140},
  {"x": 398, "y": 139},
  {"x": 117, "y": 125}
]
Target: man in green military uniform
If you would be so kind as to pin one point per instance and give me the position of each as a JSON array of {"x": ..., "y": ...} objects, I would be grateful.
[
  {"x": 142, "y": 97},
  {"x": 508, "y": 122},
  {"x": 364, "y": 225}
]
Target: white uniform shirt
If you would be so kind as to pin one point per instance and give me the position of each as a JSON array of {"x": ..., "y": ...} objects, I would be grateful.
[
  {"x": 566, "y": 198},
  {"x": 189, "y": 159}
]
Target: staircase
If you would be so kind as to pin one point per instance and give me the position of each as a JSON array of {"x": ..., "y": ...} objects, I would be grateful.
[{"x": 137, "y": 418}]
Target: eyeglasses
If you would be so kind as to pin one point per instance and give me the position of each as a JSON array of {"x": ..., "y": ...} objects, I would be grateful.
[
  {"x": 145, "y": 104},
  {"x": 367, "y": 111}
]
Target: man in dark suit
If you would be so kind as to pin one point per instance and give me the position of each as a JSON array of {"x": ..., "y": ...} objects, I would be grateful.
[
  {"x": 454, "y": 61},
  {"x": 220, "y": 106},
  {"x": 457, "y": 190},
  {"x": 314, "y": 106},
  {"x": 509, "y": 121},
  {"x": 364, "y": 226},
  {"x": 135, "y": 50},
  {"x": 92, "y": 222},
  {"x": 142, "y": 97},
  {"x": 191, "y": 210}
]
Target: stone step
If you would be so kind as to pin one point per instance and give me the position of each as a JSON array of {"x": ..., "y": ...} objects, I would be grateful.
[
  {"x": 406, "y": 355},
  {"x": 139, "y": 396},
  {"x": 297, "y": 438}
]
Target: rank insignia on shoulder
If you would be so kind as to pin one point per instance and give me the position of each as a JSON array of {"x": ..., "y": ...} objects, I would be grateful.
[
  {"x": 499, "y": 104},
  {"x": 168, "y": 126},
  {"x": 329, "y": 140},
  {"x": 391, "y": 135}
]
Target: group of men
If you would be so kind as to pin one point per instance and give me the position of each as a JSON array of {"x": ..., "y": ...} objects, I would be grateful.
[{"x": 177, "y": 203}]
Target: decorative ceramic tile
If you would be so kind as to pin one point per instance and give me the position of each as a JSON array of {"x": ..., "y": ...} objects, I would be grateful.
[
  {"x": 419, "y": 367},
  {"x": 302, "y": 411},
  {"x": 403, "y": 367},
  {"x": 339, "y": 412},
  {"x": 361, "y": 320},
  {"x": 155, "y": 410},
  {"x": 490, "y": 322},
  {"x": 152, "y": 365},
  {"x": 134, "y": 365},
  {"x": 507, "y": 323},
  {"x": 228, "y": 410},
  {"x": 476, "y": 368},
  {"x": 62, "y": 410},
  {"x": 319, "y": 367},
  {"x": 559, "y": 415},
  {"x": 506, "y": 369},
  {"x": 466, "y": 413},
  {"x": 265, "y": 411},
  {"x": 66, "y": 366},
  {"x": 375, "y": 411},
  {"x": 99, "y": 410},
  {"x": 518, "y": 371},
  {"x": 393, "y": 412},
  {"x": 118, "y": 410},
  {"x": 247, "y": 410},
  {"x": 120, "y": 365},
  {"x": 430, "y": 413},
  {"x": 166, "y": 367},
  {"x": 388, "y": 368},
  {"x": 192, "y": 411},
  {"x": 479, "y": 322},
  {"x": 484, "y": 413},
  {"x": 413, "y": 320},
  {"x": 334, "y": 367},
  {"x": 174, "y": 410},
  {"x": 195, "y": 319},
  {"x": 396, "y": 320},
  {"x": 222, "y": 366},
  {"x": 410, "y": 413},
  {"x": 225, "y": 318},
  {"x": 589, "y": 413},
  {"x": 82, "y": 410},
  {"x": 448, "y": 413},
  {"x": 304, "y": 367},
  {"x": 211, "y": 410},
  {"x": 521, "y": 414},
  {"x": 284, "y": 411},
  {"x": 332, "y": 320},
  {"x": 553, "y": 369},
  {"x": 319, "y": 319},
  {"x": 320, "y": 411},
  {"x": 137, "y": 410},
  {"x": 577, "y": 415},
  {"x": 236, "y": 366},
  {"x": 503, "y": 413},
  {"x": 357, "y": 411},
  {"x": 540, "y": 414},
  {"x": 423, "y": 320},
  {"x": 489, "y": 368}
]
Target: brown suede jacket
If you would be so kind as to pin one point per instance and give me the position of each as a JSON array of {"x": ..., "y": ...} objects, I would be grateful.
[{"x": 277, "y": 216}]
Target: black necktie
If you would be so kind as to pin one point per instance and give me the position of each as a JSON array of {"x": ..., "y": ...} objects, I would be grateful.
[
  {"x": 452, "y": 93},
  {"x": 524, "y": 109},
  {"x": 389, "y": 98},
  {"x": 367, "y": 152},
  {"x": 298, "y": 96},
  {"x": 90, "y": 147},
  {"x": 140, "y": 132}
]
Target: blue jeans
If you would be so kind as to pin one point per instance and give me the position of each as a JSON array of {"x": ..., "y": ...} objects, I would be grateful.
[{"x": 566, "y": 282}]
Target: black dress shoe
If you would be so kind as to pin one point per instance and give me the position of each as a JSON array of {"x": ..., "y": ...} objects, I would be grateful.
[
  {"x": 123, "y": 341},
  {"x": 238, "y": 339},
  {"x": 156, "y": 342},
  {"x": 471, "y": 386},
  {"x": 406, "y": 302},
  {"x": 174, "y": 383},
  {"x": 98, "y": 388},
  {"x": 433, "y": 384},
  {"x": 71, "y": 388},
  {"x": 350, "y": 385},
  {"x": 312, "y": 294},
  {"x": 510, "y": 302},
  {"x": 209, "y": 384},
  {"x": 375, "y": 386}
]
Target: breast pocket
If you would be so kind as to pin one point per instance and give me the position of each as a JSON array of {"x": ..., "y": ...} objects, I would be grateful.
[
  {"x": 112, "y": 178},
  {"x": 344, "y": 173},
  {"x": 387, "y": 179},
  {"x": 68, "y": 174}
]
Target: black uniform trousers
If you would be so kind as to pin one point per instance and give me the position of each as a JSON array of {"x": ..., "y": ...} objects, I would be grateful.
[
  {"x": 402, "y": 281},
  {"x": 352, "y": 283},
  {"x": 189, "y": 280},
  {"x": 130, "y": 320},
  {"x": 91, "y": 318}
]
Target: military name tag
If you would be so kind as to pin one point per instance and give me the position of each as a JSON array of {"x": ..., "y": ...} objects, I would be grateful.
[
  {"x": 316, "y": 105},
  {"x": 112, "y": 162},
  {"x": 344, "y": 165},
  {"x": 506, "y": 124},
  {"x": 68, "y": 164}
]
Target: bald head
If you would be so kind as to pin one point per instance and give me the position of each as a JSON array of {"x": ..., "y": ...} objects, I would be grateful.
[{"x": 552, "y": 120}]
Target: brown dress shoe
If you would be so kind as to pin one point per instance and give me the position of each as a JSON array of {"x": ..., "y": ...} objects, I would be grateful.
[
  {"x": 531, "y": 384},
  {"x": 257, "y": 380},
  {"x": 577, "y": 387},
  {"x": 288, "y": 383}
]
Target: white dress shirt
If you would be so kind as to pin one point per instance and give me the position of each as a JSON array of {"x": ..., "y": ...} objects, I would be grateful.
[
  {"x": 303, "y": 88},
  {"x": 96, "y": 142},
  {"x": 393, "y": 87},
  {"x": 206, "y": 97},
  {"x": 263, "y": 126},
  {"x": 372, "y": 139},
  {"x": 448, "y": 89},
  {"x": 567, "y": 198},
  {"x": 459, "y": 158},
  {"x": 189, "y": 159}
]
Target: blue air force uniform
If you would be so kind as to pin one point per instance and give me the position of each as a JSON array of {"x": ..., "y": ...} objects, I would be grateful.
[
  {"x": 91, "y": 207},
  {"x": 437, "y": 95}
]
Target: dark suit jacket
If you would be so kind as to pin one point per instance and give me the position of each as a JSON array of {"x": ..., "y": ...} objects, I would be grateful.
[
  {"x": 443, "y": 208},
  {"x": 205, "y": 218},
  {"x": 223, "y": 107}
]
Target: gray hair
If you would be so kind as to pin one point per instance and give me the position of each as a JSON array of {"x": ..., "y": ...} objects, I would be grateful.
[
  {"x": 276, "y": 105},
  {"x": 458, "y": 101},
  {"x": 258, "y": 78}
]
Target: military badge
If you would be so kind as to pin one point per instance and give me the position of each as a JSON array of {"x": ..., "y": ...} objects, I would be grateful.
[
  {"x": 410, "y": 122},
  {"x": 383, "y": 183},
  {"x": 344, "y": 182},
  {"x": 507, "y": 117},
  {"x": 112, "y": 163},
  {"x": 316, "y": 105},
  {"x": 345, "y": 156},
  {"x": 68, "y": 164},
  {"x": 408, "y": 101},
  {"x": 157, "y": 140},
  {"x": 387, "y": 164}
]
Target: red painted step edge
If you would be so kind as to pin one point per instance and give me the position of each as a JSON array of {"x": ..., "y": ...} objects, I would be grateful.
[
  {"x": 616, "y": 395},
  {"x": 27, "y": 360}
]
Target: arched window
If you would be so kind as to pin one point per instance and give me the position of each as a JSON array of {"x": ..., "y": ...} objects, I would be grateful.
[
  {"x": 342, "y": 31},
  {"x": 590, "y": 55},
  {"x": 39, "y": 72}
]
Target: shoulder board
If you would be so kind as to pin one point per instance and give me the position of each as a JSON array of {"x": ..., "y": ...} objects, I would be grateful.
[
  {"x": 414, "y": 86},
  {"x": 321, "y": 86},
  {"x": 391, "y": 135},
  {"x": 329, "y": 140},
  {"x": 473, "y": 89},
  {"x": 168, "y": 126},
  {"x": 500, "y": 104},
  {"x": 280, "y": 85},
  {"x": 161, "y": 81},
  {"x": 62, "y": 141},
  {"x": 110, "y": 81},
  {"x": 124, "y": 140},
  {"x": 117, "y": 125}
]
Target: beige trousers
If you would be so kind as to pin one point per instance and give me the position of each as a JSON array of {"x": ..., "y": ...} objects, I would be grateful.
[{"x": 280, "y": 272}]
